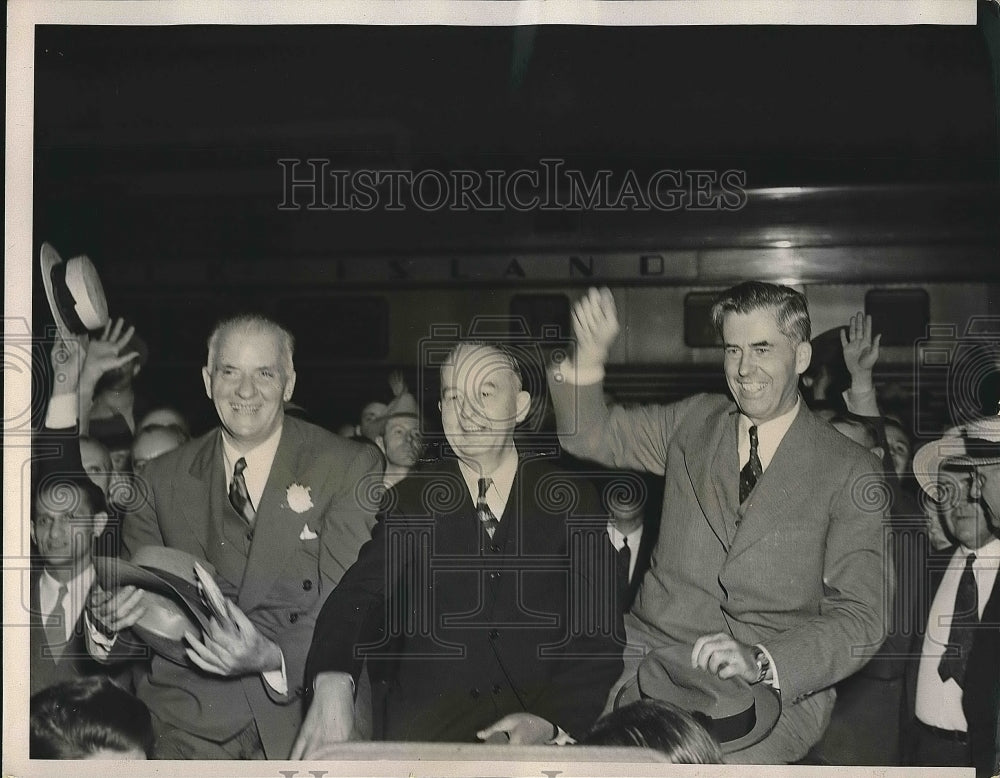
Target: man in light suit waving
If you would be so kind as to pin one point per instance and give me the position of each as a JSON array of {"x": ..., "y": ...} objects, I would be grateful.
[
  {"x": 276, "y": 506},
  {"x": 769, "y": 562}
]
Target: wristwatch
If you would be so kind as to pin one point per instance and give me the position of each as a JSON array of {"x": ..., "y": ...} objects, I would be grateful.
[{"x": 763, "y": 664}]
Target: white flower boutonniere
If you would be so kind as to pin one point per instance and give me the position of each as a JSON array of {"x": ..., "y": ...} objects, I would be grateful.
[{"x": 299, "y": 499}]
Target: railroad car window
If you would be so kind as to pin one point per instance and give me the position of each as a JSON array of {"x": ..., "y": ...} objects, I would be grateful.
[
  {"x": 698, "y": 329},
  {"x": 544, "y": 316},
  {"x": 331, "y": 328},
  {"x": 901, "y": 315}
]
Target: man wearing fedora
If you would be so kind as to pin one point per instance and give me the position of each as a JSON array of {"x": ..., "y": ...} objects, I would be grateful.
[
  {"x": 399, "y": 438},
  {"x": 953, "y": 681},
  {"x": 272, "y": 504},
  {"x": 769, "y": 563}
]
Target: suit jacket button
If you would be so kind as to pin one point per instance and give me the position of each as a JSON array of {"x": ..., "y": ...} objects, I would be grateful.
[
  {"x": 307, "y": 584},
  {"x": 300, "y": 691},
  {"x": 494, "y": 634},
  {"x": 293, "y": 617},
  {"x": 474, "y": 693},
  {"x": 250, "y": 535},
  {"x": 497, "y": 689}
]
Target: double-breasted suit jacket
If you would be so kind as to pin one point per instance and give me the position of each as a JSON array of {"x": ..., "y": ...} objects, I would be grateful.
[
  {"x": 799, "y": 567},
  {"x": 279, "y": 572},
  {"x": 523, "y": 621}
]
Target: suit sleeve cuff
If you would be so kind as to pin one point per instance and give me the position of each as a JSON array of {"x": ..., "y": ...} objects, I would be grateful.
[
  {"x": 98, "y": 644},
  {"x": 771, "y": 679},
  {"x": 62, "y": 411},
  {"x": 568, "y": 371},
  {"x": 277, "y": 679},
  {"x": 861, "y": 403}
]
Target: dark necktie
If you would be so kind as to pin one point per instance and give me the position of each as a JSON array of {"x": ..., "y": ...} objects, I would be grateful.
[
  {"x": 238, "y": 494},
  {"x": 752, "y": 470},
  {"x": 55, "y": 624},
  {"x": 486, "y": 517},
  {"x": 963, "y": 623},
  {"x": 622, "y": 565}
]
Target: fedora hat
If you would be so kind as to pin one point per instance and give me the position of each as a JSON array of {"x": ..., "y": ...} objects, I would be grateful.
[
  {"x": 74, "y": 291},
  {"x": 174, "y": 604},
  {"x": 738, "y": 714},
  {"x": 975, "y": 443}
]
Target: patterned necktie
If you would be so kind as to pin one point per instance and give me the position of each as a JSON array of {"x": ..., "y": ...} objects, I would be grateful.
[
  {"x": 55, "y": 623},
  {"x": 963, "y": 622},
  {"x": 483, "y": 512},
  {"x": 752, "y": 470},
  {"x": 238, "y": 494},
  {"x": 622, "y": 564}
]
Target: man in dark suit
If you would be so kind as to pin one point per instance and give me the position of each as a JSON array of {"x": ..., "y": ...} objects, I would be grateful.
[
  {"x": 768, "y": 561},
  {"x": 953, "y": 682},
  {"x": 273, "y": 503},
  {"x": 633, "y": 526},
  {"x": 493, "y": 556}
]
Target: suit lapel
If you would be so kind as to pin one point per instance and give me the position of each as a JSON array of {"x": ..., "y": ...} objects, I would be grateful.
[
  {"x": 276, "y": 527},
  {"x": 773, "y": 499},
  {"x": 713, "y": 468}
]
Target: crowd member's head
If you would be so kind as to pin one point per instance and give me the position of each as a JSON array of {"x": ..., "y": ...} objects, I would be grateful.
[
  {"x": 89, "y": 718},
  {"x": 626, "y": 508},
  {"x": 900, "y": 448},
  {"x": 481, "y": 402},
  {"x": 152, "y": 442},
  {"x": 765, "y": 333},
  {"x": 658, "y": 725},
  {"x": 370, "y": 426},
  {"x": 249, "y": 376},
  {"x": 163, "y": 417},
  {"x": 859, "y": 429},
  {"x": 96, "y": 462},
  {"x": 400, "y": 436},
  {"x": 68, "y": 513},
  {"x": 960, "y": 473},
  {"x": 826, "y": 378}
]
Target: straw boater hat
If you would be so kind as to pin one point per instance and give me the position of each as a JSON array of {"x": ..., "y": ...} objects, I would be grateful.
[
  {"x": 975, "y": 443},
  {"x": 174, "y": 604},
  {"x": 739, "y": 714},
  {"x": 74, "y": 292}
]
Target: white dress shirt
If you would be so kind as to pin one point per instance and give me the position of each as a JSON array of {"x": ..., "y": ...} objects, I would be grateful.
[
  {"x": 634, "y": 539},
  {"x": 503, "y": 481},
  {"x": 769, "y": 436},
  {"x": 77, "y": 590},
  {"x": 259, "y": 460},
  {"x": 939, "y": 703}
]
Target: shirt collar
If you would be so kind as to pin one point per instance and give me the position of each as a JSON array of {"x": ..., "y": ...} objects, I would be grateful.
[
  {"x": 769, "y": 435},
  {"x": 81, "y": 581},
  {"x": 502, "y": 477},
  {"x": 616, "y": 535},
  {"x": 990, "y": 551},
  {"x": 259, "y": 460}
]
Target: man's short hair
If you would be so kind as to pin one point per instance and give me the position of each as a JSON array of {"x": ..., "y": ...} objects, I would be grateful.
[
  {"x": 90, "y": 492},
  {"x": 249, "y": 323},
  {"x": 503, "y": 350},
  {"x": 867, "y": 426},
  {"x": 74, "y": 719},
  {"x": 789, "y": 306}
]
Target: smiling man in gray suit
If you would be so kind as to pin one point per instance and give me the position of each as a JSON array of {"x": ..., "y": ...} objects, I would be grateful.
[
  {"x": 768, "y": 562},
  {"x": 274, "y": 506}
]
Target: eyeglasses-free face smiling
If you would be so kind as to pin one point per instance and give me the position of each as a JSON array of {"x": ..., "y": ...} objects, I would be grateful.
[{"x": 762, "y": 364}]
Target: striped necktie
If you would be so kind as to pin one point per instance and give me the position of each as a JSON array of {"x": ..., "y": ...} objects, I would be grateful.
[
  {"x": 238, "y": 494},
  {"x": 483, "y": 512},
  {"x": 752, "y": 470}
]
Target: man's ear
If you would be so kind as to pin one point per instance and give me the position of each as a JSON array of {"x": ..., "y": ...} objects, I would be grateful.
[
  {"x": 289, "y": 386},
  {"x": 100, "y": 522},
  {"x": 803, "y": 355},
  {"x": 380, "y": 442},
  {"x": 523, "y": 406},
  {"x": 206, "y": 376},
  {"x": 878, "y": 451}
]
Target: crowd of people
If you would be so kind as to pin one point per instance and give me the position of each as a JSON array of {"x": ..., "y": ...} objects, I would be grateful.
[{"x": 764, "y": 577}]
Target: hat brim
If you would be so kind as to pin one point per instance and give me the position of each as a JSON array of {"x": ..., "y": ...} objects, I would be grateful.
[
  {"x": 49, "y": 259},
  {"x": 767, "y": 710},
  {"x": 163, "y": 628}
]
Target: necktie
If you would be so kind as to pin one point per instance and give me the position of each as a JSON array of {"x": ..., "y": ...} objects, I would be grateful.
[
  {"x": 752, "y": 470},
  {"x": 622, "y": 564},
  {"x": 963, "y": 622},
  {"x": 483, "y": 512},
  {"x": 55, "y": 624},
  {"x": 238, "y": 494}
]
